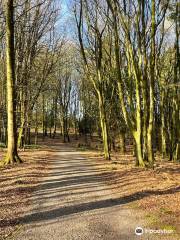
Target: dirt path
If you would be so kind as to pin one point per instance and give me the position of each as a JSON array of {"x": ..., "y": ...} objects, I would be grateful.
[{"x": 74, "y": 202}]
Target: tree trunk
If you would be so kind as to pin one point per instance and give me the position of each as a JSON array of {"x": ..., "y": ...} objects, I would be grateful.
[
  {"x": 122, "y": 142},
  {"x": 55, "y": 117},
  {"x": 104, "y": 127},
  {"x": 12, "y": 155},
  {"x": 163, "y": 130},
  {"x": 139, "y": 155},
  {"x": 151, "y": 86},
  {"x": 43, "y": 117},
  {"x": 176, "y": 98},
  {"x": 21, "y": 129},
  {"x": 36, "y": 129}
]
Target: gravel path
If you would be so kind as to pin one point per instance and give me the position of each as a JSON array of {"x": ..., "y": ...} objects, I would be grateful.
[{"x": 74, "y": 202}]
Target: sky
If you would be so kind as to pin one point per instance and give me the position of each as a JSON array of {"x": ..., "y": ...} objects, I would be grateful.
[
  {"x": 65, "y": 4},
  {"x": 65, "y": 22}
]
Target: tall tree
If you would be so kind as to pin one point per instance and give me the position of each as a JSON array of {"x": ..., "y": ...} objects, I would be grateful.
[
  {"x": 94, "y": 68},
  {"x": 12, "y": 155},
  {"x": 151, "y": 84}
]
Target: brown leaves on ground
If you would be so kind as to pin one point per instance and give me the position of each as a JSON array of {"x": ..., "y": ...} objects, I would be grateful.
[
  {"x": 156, "y": 192},
  {"x": 16, "y": 185}
]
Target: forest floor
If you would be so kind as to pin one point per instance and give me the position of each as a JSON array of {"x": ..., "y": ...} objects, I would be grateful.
[{"x": 68, "y": 192}]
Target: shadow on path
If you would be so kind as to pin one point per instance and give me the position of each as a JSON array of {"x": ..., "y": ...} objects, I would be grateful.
[{"x": 74, "y": 209}]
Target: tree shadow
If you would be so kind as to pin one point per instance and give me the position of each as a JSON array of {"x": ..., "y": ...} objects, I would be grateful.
[
  {"x": 54, "y": 214},
  {"x": 72, "y": 175}
]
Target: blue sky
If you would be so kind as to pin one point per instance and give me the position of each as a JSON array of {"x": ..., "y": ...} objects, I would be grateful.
[
  {"x": 64, "y": 6},
  {"x": 65, "y": 20}
]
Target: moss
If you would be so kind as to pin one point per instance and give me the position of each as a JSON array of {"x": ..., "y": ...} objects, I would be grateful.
[{"x": 8, "y": 159}]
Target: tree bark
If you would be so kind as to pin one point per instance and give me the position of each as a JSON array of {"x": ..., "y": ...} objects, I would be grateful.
[
  {"x": 104, "y": 129},
  {"x": 12, "y": 154},
  {"x": 151, "y": 86},
  {"x": 122, "y": 142}
]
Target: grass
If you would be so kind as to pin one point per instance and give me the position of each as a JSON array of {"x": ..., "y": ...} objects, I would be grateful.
[
  {"x": 82, "y": 148},
  {"x": 134, "y": 205},
  {"x": 152, "y": 219},
  {"x": 168, "y": 227},
  {"x": 32, "y": 146},
  {"x": 165, "y": 210},
  {"x": 2, "y": 145}
]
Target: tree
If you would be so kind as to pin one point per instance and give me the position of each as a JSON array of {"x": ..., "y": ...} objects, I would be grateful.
[
  {"x": 135, "y": 53},
  {"x": 94, "y": 67},
  {"x": 12, "y": 154}
]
